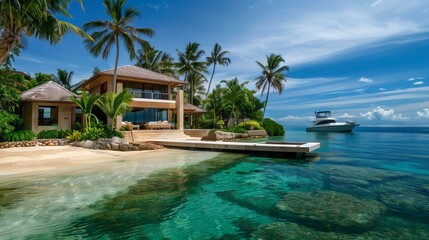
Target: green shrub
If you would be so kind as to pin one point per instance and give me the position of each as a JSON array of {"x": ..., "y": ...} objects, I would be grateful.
[
  {"x": 108, "y": 133},
  {"x": 74, "y": 136},
  {"x": 220, "y": 124},
  {"x": 78, "y": 126},
  {"x": 206, "y": 124},
  {"x": 273, "y": 128},
  {"x": 8, "y": 122},
  {"x": 250, "y": 125},
  {"x": 125, "y": 128},
  {"x": 21, "y": 135},
  {"x": 53, "y": 134},
  {"x": 235, "y": 130},
  {"x": 93, "y": 133}
]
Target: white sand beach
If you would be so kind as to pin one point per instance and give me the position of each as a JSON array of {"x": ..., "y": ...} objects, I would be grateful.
[{"x": 58, "y": 158}]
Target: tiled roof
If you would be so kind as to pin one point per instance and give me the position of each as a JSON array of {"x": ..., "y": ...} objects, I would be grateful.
[
  {"x": 187, "y": 107},
  {"x": 49, "y": 91},
  {"x": 136, "y": 73}
]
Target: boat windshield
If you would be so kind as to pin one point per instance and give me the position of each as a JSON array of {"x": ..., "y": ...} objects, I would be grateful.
[
  {"x": 324, "y": 114},
  {"x": 325, "y": 122}
]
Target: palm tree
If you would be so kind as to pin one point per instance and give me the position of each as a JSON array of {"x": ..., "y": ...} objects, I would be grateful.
[
  {"x": 64, "y": 78},
  {"x": 217, "y": 57},
  {"x": 189, "y": 62},
  {"x": 197, "y": 82},
  {"x": 155, "y": 60},
  {"x": 272, "y": 77},
  {"x": 116, "y": 29},
  {"x": 214, "y": 103},
  {"x": 20, "y": 18},
  {"x": 86, "y": 103},
  {"x": 113, "y": 104},
  {"x": 235, "y": 93}
]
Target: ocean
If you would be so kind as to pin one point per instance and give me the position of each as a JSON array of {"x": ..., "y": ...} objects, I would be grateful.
[{"x": 372, "y": 183}]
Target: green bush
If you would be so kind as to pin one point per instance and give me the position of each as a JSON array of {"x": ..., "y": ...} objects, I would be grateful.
[
  {"x": 250, "y": 125},
  {"x": 108, "y": 133},
  {"x": 21, "y": 135},
  {"x": 125, "y": 128},
  {"x": 93, "y": 133},
  {"x": 8, "y": 122},
  {"x": 235, "y": 130},
  {"x": 74, "y": 136},
  {"x": 206, "y": 124},
  {"x": 53, "y": 134},
  {"x": 273, "y": 128}
]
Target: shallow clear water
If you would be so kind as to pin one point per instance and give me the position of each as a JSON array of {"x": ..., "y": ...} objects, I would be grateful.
[{"x": 369, "y": 184}]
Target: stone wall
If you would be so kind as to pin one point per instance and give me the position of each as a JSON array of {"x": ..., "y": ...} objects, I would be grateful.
[
  {"x": 197, "y": 132},
  {"x": 231, "y": 136},
  {"x": 38, "y": 142}
]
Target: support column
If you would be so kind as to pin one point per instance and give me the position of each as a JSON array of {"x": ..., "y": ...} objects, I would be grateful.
[{"x": 179, "y": 110}]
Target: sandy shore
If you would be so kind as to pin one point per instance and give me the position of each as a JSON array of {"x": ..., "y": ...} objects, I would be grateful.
[{"x": 35, "y": 159}]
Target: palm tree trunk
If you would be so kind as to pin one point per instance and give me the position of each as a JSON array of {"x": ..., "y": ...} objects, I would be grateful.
[
  {"x": 230, "y": 115},
  {"x": 115, "y": 72},
  {"x": 266, "y": 102},
  {"x": 8, "y": 40},
  {"x": 211, "y": 78}
]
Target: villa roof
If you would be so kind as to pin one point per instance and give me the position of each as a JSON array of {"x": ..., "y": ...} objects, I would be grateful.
[
  {"x": 135, "y": 73},
  {"x": 47, "y": 92},
  {"x": 187, "y": 107}
]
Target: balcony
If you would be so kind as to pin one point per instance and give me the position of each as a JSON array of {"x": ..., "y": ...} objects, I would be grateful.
[{"x": 150, "y": 95}]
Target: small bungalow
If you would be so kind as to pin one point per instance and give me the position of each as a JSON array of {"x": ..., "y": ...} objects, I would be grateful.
[{"x": 48, "y": 106}]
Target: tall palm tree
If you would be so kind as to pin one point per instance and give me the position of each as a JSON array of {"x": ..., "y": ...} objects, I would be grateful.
[
  {"x": 197, "y": 82},
  {"x": 273, "y": 76},
  {"x": 155, "y": 60},
  {"x": 64, "y": 78},
  {"x": 217, "y": 57},
  {"x": 189, "y": 62},
  {"x": 113, "y": 104},
  {"x": 235, "y": 93},
  {"x": 86, "y": 103},
  {"x": 20, "y": 18},
  {"x": 114, "y": 30}
]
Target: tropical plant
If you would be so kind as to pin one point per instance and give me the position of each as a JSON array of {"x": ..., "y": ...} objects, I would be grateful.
[
  {"x": 272, "y": 76},
  {"x": 53, "y": 134},
  {"x": 251, "y": 109},
  {"x": 234, "y": 94},
  {"x": 64, "y": 78},
  {"x": 74, "y": 136},
  {"x": 7, "y": 123},
  {"x": 115, "y": 29},
  {"x": 217, "y": 57},
  {"x": 40, "y": 78},
  {"x": 95, "y": 71},
  {"x": 196, "y": 86},
  {"x": 155, "y": 60},
  {"x": 273, "y": 128},
  {"x": 93, "y": 134},
  {"x": 11, "y": 86},
  {"x": 250, "y": 125},
  {"x": 214, "y": 104},
  {"x": 113, "y": 104},
  {"x": 20, "y": 135},
  {"x": 20, "y": 18},
  {"x": 86, "y": 103},
  {"x": 188, "y": 62}
]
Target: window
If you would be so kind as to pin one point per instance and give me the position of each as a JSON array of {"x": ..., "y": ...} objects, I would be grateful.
[
  {"x": 103, "y": 88},
  {"x": 48, "y": 116},
  {"x": 143, "y": 115}
]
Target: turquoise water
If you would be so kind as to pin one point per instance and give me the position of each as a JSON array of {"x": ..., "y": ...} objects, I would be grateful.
[{"x": 369, "y": 184}]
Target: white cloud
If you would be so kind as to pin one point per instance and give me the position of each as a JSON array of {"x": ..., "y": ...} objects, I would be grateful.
[
  {"x": 365, "y": 80},
  {"x": 418, "y": 83},
  {"x": 415, "y": 78},
  {"x": 290, "y": 117},
  {"x": 382, "y": 114},
  {"x": 424, "y": 114},
  {"x": 382, "y": 89},
  {"x": 378, "y": 2},
  {"x": 359, "y": 90}
]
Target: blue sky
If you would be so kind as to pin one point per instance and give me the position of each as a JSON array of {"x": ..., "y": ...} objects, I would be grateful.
[{"x": 366, "y": 60}]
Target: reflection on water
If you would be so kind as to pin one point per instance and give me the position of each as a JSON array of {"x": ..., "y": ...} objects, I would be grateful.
[{"x": 365, "y": 185}]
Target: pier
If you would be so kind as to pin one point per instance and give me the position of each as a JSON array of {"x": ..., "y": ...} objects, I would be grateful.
[{"x": 276, "y": 148}]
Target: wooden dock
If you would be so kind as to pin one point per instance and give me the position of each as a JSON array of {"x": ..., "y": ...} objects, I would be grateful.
[{"x": 268, "y": 147}]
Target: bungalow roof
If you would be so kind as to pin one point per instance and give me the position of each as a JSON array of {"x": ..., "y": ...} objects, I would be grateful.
[
  {"x": 48, "y": 92},
  {"x": 135, "y": 73}
]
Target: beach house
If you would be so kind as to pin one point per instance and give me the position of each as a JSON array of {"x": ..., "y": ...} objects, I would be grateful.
[{"x": 154, "y": 105}]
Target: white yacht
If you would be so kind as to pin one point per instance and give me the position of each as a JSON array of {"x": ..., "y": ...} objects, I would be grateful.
[{"x": 324, "y": 122}]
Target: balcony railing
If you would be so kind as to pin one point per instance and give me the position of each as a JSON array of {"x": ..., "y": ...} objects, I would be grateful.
[{"x": 149, "y": 95}]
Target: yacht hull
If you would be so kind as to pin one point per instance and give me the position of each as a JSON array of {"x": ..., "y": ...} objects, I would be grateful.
[{"x": 332, "y": 128}]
